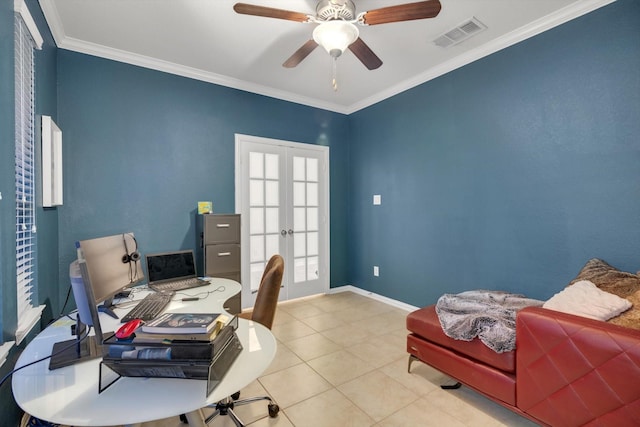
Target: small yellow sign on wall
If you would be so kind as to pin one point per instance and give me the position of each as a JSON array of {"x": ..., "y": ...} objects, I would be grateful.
[{"x": 205, "y": 208}]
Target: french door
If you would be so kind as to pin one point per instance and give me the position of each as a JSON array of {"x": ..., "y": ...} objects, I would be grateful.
[{"x": 282, "y": 196}]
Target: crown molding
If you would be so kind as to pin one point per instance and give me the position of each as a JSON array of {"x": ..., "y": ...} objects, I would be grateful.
[
  {"x": 537, "y": 27},
  {"x": 100, "y": 51},
  {"x": 548, "y": 22}
]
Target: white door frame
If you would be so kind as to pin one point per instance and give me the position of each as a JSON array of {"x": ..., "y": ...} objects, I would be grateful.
[{"x": 325, "y": 255}]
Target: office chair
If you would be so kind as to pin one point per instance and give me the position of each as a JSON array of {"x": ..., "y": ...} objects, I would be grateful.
[{"x": 263, "y": 312}]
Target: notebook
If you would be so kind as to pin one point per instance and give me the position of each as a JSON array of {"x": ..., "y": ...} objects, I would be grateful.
[{"x": 172, "y": 271}]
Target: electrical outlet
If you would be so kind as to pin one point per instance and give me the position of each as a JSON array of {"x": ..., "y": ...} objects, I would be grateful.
[{"x": 376, "y": 270}]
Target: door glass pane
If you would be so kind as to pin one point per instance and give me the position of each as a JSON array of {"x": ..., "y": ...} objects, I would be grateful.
[
  {"x": 299, "y": 169},
  {"x": 299, "y": 245},
  {"x": 312, "y": 194},
  {"x": 256, "y": 165},
  {"x": 256, "y": 220},
  {"x": 312, "y": 170},
  {"x": 312, "y": 268},
  {"x": 312, "y": 219},
  {"x": 257, "y": 248},
  {"x": 299, "y": 194},
  {"x": 272, "y": 245},
  {"x": 256, "y": 192},
  {"x": 271, "y": 193},
  {"x": 256, "y": 274},
  {"x": 272, "y": 224},
  {"x": 271, "y": 166},
  {"x": 312, "y": 243},
  {"x": 283, "y": 189},
  {"x": 298, "y": 219},
  {"x": 300, "y": 270}
]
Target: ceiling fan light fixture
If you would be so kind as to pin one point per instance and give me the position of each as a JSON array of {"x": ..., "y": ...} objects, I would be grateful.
[{"x": 335, "y": 36}]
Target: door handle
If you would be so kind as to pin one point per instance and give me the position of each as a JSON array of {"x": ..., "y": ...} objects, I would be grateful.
[
  {"x": 284, "y": 233},
  {"x": 290, "y": 231}
]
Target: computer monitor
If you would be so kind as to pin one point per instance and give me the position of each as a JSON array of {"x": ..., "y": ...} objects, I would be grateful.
[
  {"x": 108, "y": 266},
  {"x": 113, "y": 264}
]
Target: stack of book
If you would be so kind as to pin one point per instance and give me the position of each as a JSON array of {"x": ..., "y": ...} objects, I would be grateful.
[
  {"x": 177, "y": 345},
  {"x": 203, "y": 327}
]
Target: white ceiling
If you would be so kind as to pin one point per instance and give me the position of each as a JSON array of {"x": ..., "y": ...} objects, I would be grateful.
[{"x": 207, "y": 40}]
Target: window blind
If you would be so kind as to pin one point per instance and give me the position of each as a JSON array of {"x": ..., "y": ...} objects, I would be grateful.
[{"x": 27, "y": 312}]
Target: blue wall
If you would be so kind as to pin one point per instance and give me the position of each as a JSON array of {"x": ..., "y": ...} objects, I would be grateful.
[
  {"x": 7, "y": 206},
  {"x": 7, "y": 184},
  {"x": 506, "y": 174},
  {"x": 141, "y": 147},
  {"x": 47, "y": 219},
  {"x": 509, "y": 173}
]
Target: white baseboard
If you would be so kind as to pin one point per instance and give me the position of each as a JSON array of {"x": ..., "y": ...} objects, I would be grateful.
[{"x": 386, "y": 300}]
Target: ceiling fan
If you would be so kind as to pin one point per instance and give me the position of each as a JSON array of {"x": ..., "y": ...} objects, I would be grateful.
[{"x": 336, "y": 30}]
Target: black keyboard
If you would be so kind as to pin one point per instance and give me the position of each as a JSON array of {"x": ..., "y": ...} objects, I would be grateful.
[{"x": 149, "y": 307}]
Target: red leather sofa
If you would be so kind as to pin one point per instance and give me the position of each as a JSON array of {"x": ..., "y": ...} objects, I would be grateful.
[{"x": 566, "y": 370}]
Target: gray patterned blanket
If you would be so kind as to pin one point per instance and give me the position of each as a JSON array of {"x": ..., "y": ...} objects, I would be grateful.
[{"x": 488, "y": 315}]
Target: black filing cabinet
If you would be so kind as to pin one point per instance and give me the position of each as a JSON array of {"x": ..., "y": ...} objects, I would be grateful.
[{"x": 219, "y": 250}]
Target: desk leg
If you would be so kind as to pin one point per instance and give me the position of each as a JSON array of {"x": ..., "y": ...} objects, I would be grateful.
[{"x": 195, "y": 418}]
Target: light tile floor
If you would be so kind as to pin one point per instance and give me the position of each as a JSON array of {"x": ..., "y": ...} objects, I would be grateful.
[{"x": 341, "y": 361}]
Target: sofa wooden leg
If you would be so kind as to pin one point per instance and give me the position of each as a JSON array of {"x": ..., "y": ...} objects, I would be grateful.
[{"x": 451, "y": 386}]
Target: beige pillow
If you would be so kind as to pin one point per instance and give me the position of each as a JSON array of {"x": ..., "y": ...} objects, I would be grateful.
[
  {"x": 614, "y": 281},
  {"x": 584, "y": 299}
]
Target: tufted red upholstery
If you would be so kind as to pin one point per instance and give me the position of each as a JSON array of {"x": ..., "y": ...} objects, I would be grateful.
[
  {"x": 576, "y": 371},
  {"x": 569, "y": 370}
]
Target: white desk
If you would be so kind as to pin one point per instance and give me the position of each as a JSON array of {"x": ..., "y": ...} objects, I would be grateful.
[{"x": 70, "y": 395}]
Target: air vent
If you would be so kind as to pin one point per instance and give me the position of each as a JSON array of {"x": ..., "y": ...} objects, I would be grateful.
[{"x": 460, "y": 33}]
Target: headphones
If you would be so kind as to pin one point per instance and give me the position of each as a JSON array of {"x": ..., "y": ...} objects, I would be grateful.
[{"x": 130, "y": 257}]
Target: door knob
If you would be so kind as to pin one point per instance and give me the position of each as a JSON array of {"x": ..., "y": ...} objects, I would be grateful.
[
  {"x": 283, "y": 232},
  {"x": 290, "y": 231}
]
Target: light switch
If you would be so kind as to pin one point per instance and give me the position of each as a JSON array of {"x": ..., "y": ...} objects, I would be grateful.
[
  {"x": 376, "y": 271},
  {"x": 377, "y": 199}
]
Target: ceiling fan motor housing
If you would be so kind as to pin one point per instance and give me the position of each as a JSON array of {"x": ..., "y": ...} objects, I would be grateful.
[
  {"x": 336, "y": 25},
  {"x": 328, "y": 10}
]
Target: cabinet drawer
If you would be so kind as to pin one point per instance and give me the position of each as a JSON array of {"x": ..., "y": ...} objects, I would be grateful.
[
  {"x": 221, "y": 229},
  {"x": 222, "y": 259}
]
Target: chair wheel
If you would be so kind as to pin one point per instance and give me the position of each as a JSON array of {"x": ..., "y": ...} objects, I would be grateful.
[
  {"x": 273, "y": 410},
  {"x": 183, "y": 419},
  {"x": 236, "y": 395}
]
